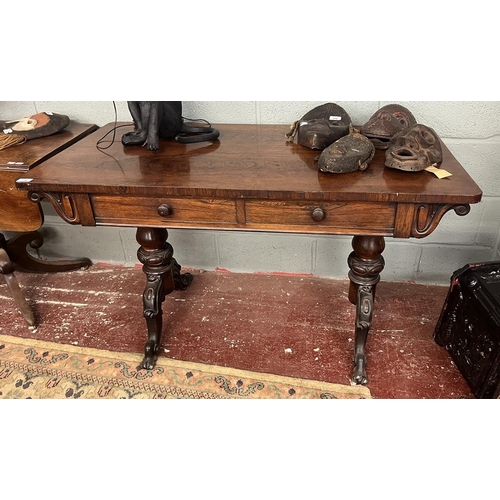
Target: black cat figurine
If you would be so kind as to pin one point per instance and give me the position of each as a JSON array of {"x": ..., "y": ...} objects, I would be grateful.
[{"x": 155, "y": 120}]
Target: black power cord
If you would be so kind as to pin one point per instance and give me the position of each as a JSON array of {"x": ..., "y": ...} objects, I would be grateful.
[{"x": 113, "y": 130}]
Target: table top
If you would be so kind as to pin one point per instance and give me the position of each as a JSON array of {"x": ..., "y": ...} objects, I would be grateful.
[
  {"x": 248, "y": 161},
  {"x": 24, "y": 157}
]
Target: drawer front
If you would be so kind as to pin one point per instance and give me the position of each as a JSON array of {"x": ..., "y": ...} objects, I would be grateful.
[
  {"x": 163, "y": 211},
  {"x": 293, "y": 216},
  {"x": 322, "y": 216}
]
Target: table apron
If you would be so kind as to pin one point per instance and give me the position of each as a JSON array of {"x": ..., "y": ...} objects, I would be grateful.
[{"x": 400, "y": 220}]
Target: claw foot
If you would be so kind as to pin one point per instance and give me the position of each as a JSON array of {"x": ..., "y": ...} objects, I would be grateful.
[
  {"x": 149, "y": 361},
  {"x": 181, "y": 281},
  {"x": 359, "y": 376}
]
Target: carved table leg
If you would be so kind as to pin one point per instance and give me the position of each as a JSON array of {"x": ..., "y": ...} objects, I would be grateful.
[
  {"x": 366, "y": 264},
  {"x": 7, "y": 269},
  {"x": 163, "y": 277},
  {"x": 16, "y": 249}
]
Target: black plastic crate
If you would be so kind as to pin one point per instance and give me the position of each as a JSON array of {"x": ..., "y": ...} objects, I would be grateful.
[{"x": 469, "y": 326}]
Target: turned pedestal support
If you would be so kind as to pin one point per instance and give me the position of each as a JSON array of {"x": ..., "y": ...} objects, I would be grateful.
[
  {"x": 365, "y": 263},
  {"x": 163, "y": 277}
]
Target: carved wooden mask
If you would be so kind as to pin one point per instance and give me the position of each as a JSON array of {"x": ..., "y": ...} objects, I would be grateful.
[
  {"x": 349, "y": 153},
  {"x": 386, "y": 123},
  {"x": 414, "y": 149},
  {"x": 321, "y": 126}
]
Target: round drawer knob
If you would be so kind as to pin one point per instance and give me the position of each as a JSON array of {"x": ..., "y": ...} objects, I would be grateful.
[
  {"x": 164, "y": 210},
  {"x": 318, "y": 214}
]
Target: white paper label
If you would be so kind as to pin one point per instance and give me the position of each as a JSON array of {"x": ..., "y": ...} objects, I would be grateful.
[
  {"x": 336, "y": 118},
  {"x": 24, "y": 180},
  {"x": 440, "y": 173},
  {"x": 7, "y": 131}
]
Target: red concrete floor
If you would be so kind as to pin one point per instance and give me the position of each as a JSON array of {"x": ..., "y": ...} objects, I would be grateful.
[{"x": 288, "y": 325}]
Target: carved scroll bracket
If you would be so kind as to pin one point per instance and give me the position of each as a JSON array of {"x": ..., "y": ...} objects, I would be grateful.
[
  {"x": 64, "y": 205},
  {"x": 427, "y": 217}
]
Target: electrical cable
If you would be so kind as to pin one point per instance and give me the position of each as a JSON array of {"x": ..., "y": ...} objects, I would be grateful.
[{"x": 113, "y": 130}]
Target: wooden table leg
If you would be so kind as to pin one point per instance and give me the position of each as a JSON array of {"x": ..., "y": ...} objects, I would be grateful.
[
  {"x": 16, "y": 249},
  {"x": 7, "y": 269},
  {"x": 163, "y": 277},
  {"x": 14, "y": 256},
  {"x": 365, "y": 263}
]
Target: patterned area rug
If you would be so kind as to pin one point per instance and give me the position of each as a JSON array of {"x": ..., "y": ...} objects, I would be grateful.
[{"x": 44, "y": 370}]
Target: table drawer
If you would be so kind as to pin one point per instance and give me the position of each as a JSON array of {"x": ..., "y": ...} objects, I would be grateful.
[
  {"x": 325, "y": 215},
  {"x": 166, "y": 211}
]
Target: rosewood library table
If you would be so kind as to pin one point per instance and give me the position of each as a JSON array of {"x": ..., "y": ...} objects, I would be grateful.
[{"x": 251, "y": 179}]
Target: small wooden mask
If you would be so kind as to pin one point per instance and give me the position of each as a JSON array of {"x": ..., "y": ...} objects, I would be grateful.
[
  {"x": 414, "y": 149},
  {"x": 349, "y": 153},
  {"x": 386, "y": 123},
  {"x": 321, "y": 126}
]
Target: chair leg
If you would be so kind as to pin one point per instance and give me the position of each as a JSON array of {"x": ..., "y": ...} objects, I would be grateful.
[{"x": 7, "y": 270}]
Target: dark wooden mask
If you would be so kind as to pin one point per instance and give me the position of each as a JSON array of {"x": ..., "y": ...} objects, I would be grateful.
[
  {"x": 386, "y": 123},
  {"x": 349, "y": 153},
  {"x": 414, "y": 149},
  {"x": 321, "y": 126}
]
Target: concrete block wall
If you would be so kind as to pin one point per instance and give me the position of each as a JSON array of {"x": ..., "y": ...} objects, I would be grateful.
[{"x": 471, "y": 130}]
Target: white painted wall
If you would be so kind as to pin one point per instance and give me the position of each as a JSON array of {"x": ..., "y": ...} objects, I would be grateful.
[{"x": 471, "y": 130}]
